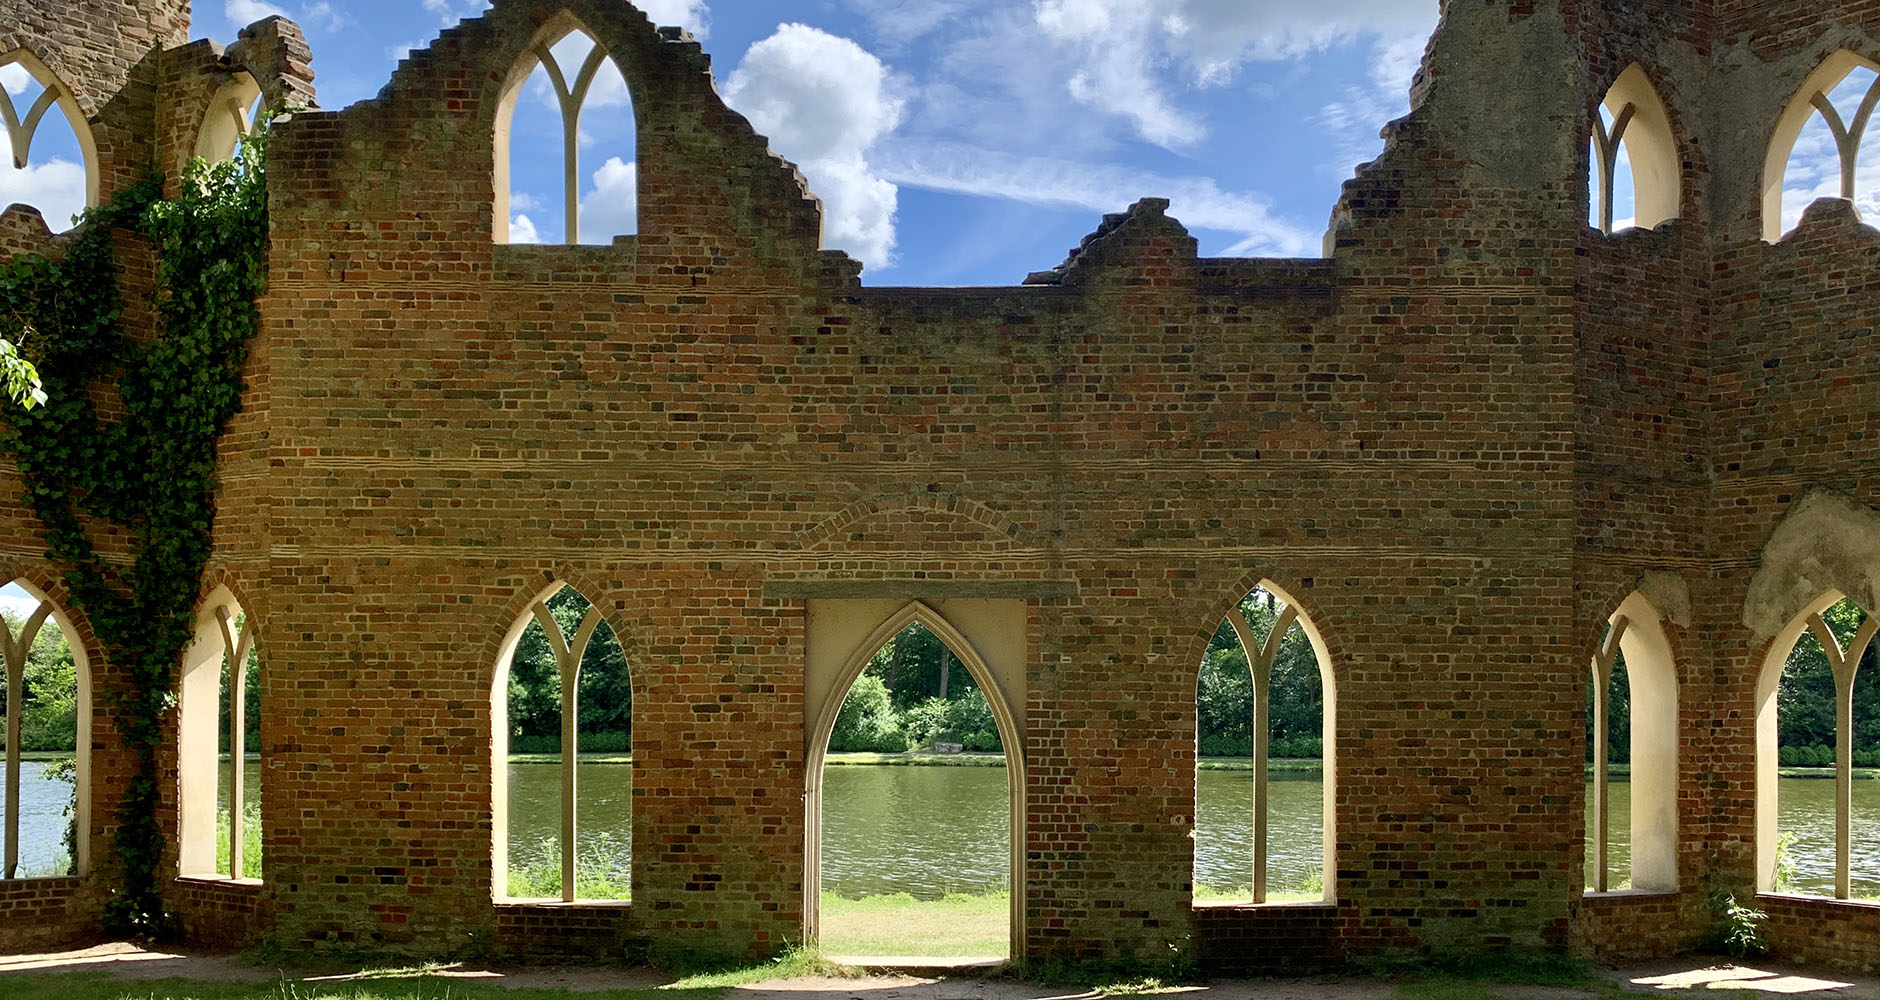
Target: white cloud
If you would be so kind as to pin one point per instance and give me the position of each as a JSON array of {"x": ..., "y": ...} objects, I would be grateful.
[
  {"x": 611, "y": 208},
  {"x": 1131, "y": 58},
  {"x": 16, "y": 79},
  {"x": 17, "y": 604},
  {"x": 452, "y": 11},
  {"x": 523, "y": 201},
  {"x": 897, "y": 22},
  {"x": 55, "y": 187},
  {"x": 522, "y": 230},
  {"x": 1198, "y": 202},
  {"x": 825, "y": 102},
  {"x": 243, "y": 13},
  {"x": 1814, "y": 172},
  {"x": 320, "y": 14},
  {"x": 692, "y": 15}
]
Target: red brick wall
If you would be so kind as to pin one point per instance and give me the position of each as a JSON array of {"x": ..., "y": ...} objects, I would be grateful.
[{"x": 1459, "y": 443}]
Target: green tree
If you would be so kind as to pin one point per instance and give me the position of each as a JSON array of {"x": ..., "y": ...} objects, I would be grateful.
[
  {"x": 1618, "y": 714},
  {"x": 604, "y": 709},
  {"x": 1805, "y": 697},
  {"x": 867, "y": 720},
  {"x": 251, "y": 696},
  {"x": 1224, "y": 693},
  {"x": 49, "y": 715}
]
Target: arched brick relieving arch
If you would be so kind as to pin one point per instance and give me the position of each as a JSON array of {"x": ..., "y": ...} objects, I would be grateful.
[
  {"x": 541, "y": 584},
  {"x": 823, "y": 534}
]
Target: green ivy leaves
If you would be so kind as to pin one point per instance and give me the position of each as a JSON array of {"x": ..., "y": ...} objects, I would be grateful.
[{"x": 144, "y": 460}]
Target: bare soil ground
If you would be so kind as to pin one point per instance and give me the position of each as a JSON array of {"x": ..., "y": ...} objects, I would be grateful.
[{"x": 1691, "y": 977}]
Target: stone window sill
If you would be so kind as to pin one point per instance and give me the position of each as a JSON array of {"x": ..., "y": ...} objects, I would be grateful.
[
  {"x": 562, "y": 904},
  {"x": 41, "y": 881},
  {"x": 1626, "y": 893},
  {"x": 219, "y": 880},
  {"x": 1300, "y": 904},
  {"x": 1796, "y": 897}
]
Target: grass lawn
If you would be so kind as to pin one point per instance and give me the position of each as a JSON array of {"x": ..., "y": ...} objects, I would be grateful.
[
  {"x": 1302, "y": 766},
  {"x": 954, "y": 927}
]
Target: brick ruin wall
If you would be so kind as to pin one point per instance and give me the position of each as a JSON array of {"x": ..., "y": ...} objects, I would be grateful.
[{"x": 1459, "y": 442}]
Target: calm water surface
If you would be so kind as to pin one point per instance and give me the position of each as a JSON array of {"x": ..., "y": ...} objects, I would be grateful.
[
  {"x": 928, "y": 831},
  {"x": 44, "y": 801}
]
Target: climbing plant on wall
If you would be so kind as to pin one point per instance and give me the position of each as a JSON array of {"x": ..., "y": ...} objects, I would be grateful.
[{"x": 124, "y": 443}]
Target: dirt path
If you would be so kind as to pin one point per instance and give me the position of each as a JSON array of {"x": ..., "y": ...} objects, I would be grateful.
[{"x": 1688, "y": 977}]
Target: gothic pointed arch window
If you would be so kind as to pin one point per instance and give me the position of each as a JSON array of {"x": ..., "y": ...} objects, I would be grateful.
[
  {"x": 219, "y": 745},
  {"x": 1632, "y": 748},
  {"x": 1636, "y": 176},
  {"x": 230, "y": 119},
  {"x": 1266, "y": 694},
  {"x": 566, "y": 167},
  {"x": 1817, "y": 699},
  {"x": 45, "y": 696},
  {"x": 926, "y": 678},
  {"x": 1816, "y": 151},
  {"x": 562, "y": 707},
  {"x": 53, "y": 162}
]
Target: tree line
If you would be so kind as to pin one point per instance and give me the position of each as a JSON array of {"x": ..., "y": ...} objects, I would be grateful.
[
  {"x": 1804, "y": 702},
  {"x": 1224, "y": 695},
  {"x": 914, "y": 692},
  {"x": 49, "y": 708}
]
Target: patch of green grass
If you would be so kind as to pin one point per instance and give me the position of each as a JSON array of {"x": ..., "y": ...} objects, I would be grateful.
[
  {"x": 580, "y": 758},
  {"x": 1297, "y": 766},
  {"x": 958, "y": 926},
  {"x": 796, "y": 962},
  {"x": 1312, "y": 890},
  {"x": 601, "y": 869},
  {"x": 1857, "y": 773},
  {"x": 251, "y": 840},
  {"x": 916, "y": 758}
]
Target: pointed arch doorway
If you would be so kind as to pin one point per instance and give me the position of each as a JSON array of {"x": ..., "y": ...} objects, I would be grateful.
[{"x": 987, "y": 637}]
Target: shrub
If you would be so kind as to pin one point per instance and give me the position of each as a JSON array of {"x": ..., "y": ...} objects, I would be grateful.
[
  {"x": 867, "y": 721},
  {"x": 971, "y": 724},
  {"x": 924, "y": 723},
  {"x": 1738, "y": 928},
  {"x": 1302, "y": 747},
  {"x": 1226, "y": 745},
  {"x": 1785, "y": 862}
]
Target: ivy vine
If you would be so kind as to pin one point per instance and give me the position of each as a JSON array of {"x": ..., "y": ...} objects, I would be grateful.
[{"x": 124, "y": 445}]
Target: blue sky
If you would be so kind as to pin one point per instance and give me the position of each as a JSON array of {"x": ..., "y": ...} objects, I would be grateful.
[{"x": 952, "y": 141}]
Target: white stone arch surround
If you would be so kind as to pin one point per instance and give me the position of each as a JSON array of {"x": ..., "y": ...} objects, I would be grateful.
[
  {"x": 21, "y": 124},
  {"x": 1306, "y": 619},
  {"x": 81, "y": 788},
  {"x": 572, "y": 86},
  {"x": 1643, "y": 125},
  {"x": 1652, "y": 676},
  {"x": 1768, "y": 680},
  {"x": 988, "y": 636},
  {"x": 1794, "y": 118},
  {"x": 198, "y": 726},
  {"x": 524, "y": 614},
  {"x": 228, "y": 120}
]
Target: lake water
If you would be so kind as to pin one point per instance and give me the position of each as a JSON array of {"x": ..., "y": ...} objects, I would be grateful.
[
  {"x": 928, "y": 831},
  {"x": 44, "y": 801}
]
